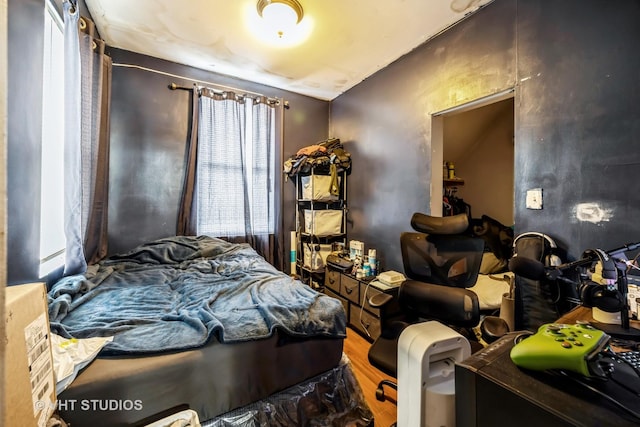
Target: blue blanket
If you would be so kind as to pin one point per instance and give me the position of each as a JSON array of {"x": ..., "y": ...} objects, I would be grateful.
[{"x": 176, "y": 293}]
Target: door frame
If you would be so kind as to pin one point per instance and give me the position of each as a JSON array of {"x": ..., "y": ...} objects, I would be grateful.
[{"x": 437, "y": 142}]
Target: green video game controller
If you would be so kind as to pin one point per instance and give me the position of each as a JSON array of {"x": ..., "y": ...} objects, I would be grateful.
[{"x": 561, "y": 346}]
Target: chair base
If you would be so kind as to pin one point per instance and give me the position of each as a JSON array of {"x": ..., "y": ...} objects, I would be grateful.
[{"x": 380, "y": 389}]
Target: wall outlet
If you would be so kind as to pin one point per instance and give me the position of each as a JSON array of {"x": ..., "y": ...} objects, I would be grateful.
[{"x": 534, "y": 198}]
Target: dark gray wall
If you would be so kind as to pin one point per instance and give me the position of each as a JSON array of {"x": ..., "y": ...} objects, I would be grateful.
[
  {"x": 386, "y": 121},
  {"x": 24, "y": 118},
  {"x": 574, "y": 67},
  {"x": 149, "y": 127},
  {"x": 578, "y": 119}
]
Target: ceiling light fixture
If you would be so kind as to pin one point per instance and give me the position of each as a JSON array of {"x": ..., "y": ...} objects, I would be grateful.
[{"x": 282, "y": 16}]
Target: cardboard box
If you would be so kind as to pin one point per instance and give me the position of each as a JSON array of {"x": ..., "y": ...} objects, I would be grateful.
[{"x": 29, "y": 384}]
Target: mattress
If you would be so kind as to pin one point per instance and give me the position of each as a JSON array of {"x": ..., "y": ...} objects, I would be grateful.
[{"x": 211, "y": 380}]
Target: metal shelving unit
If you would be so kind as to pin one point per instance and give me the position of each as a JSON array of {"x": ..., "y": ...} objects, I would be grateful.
[{"x": 312, "y": 240}]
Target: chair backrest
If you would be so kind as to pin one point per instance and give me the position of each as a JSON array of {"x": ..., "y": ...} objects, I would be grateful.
[
  {"x": 455, "y": 224},
  {"x": 442, "y": 259}
]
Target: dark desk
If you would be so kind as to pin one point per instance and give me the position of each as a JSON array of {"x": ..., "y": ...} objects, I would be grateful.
[
  {"x": 581, "y": 313},
  {"x": 584, "y": 313},
  {"x": 492, "y": 391}
]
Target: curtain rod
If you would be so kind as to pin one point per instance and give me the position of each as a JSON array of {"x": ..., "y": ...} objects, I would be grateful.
[
  {"x": 174, "y": 86},
  {"x": 199, "y": 89}
]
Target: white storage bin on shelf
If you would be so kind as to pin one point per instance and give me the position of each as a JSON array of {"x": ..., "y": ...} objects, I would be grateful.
[
  {"x": 315, "y": 255},
  {"x": 323, "y": 222},
  {"x": 318, "y": 187}
]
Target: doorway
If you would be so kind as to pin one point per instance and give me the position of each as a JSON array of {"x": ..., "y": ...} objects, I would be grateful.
[{"x": 477, "y": 139}]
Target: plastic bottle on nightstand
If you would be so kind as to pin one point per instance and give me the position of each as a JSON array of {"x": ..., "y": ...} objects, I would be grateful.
[
  {"x": 373, "y": 263},
  {"x": 366, "y": 269}
]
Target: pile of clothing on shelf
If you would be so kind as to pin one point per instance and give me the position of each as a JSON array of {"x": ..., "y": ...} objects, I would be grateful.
[{"x": 325, "y": 157}]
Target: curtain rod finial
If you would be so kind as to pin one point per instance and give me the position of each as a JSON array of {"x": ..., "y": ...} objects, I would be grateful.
[{"x": 173, "y": 86}]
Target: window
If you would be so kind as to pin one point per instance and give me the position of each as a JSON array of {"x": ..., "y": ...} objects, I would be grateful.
[
  {"x": 52, "y": 237},
  {"x": 235, "y": 193}
]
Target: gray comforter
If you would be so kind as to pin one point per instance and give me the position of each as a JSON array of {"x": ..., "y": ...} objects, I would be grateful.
[{"x": 176, "y": 293}]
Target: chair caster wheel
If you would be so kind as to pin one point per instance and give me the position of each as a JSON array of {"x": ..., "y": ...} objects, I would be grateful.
[{"x": 380, "y": 394}]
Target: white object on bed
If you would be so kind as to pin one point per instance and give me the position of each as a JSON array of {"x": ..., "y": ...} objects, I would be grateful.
[
  {"x": 71, "y": 355},
  {"x": 186, "y": 418},
  {"x": 490, "y": 288}
]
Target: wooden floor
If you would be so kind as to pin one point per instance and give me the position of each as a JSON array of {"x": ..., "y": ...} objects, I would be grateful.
[{"x": 356, "y": 348}]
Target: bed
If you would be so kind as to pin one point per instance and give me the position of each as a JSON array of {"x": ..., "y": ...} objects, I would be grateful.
[{"x": 197, "y": 323}]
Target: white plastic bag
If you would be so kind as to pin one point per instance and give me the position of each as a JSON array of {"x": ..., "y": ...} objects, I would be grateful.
[{"x": 71, "y": 355}]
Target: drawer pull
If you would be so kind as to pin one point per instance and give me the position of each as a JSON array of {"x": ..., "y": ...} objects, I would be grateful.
[{"x": 349, "y": 290}]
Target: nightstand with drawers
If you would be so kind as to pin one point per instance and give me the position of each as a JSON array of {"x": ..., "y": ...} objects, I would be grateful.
[{"x": 355, "y": 295}]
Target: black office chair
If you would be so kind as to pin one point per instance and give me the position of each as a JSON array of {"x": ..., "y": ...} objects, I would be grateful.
[{"x": 440, "y": 260}]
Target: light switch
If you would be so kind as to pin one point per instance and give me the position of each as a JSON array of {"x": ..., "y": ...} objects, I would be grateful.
[{"x": 534, "y": 198}]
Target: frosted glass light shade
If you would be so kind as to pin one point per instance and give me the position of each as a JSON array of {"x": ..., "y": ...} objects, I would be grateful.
[{"x": 280, "y": 18}]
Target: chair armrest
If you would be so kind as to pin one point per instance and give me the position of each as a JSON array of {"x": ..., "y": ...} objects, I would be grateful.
[
  {"x": 452, "y": 306},
  {"x": 380, "y": 300}
]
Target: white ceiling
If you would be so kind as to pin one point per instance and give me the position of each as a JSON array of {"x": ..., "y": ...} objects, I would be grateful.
[{"x": 350, "y": 39}]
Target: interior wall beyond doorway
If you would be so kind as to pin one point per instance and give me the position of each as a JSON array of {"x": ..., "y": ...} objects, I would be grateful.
[{"x": 478, "y": 139}]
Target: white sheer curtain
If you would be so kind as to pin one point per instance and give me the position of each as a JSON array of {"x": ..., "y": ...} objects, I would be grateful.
[
  {"x": 74, "y": 254},
  {"x": 87, "y": 105},
  {"x": 235, "y": 196}
]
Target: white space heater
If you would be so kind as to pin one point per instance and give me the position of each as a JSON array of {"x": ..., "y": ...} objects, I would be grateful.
[{"x": 427, "y": 353}]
